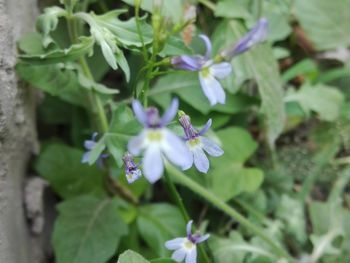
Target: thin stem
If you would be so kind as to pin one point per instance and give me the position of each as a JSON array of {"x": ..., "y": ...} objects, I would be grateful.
[
  {"x": 260, "y": 8},
  {"x": 214, "y": 200},
  {"x": 208, "y": 4},
  {"x": 98, "y": 111},
  {"x": 178, "y": 200},
  {"x": 137, "y": 18},
  {"x": 252, "y": 210}
]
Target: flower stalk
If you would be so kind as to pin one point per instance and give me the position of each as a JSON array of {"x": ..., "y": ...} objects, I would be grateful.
[{"x": 221, "y": 205}]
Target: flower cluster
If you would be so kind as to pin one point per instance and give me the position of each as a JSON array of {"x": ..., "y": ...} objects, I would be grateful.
[
  {"x": 156, "y": 143},
  {"x": 210, "y": 70}
]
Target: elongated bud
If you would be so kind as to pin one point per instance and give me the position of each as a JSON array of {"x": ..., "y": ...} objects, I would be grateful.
[{"x": 256, "y": 35}]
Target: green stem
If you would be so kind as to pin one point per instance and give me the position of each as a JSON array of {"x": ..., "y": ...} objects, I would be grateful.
[
  {"x": 214, "y": 200},
  {"x": 252, "y": 210},
  {"x": 179, "y": 203},
  {"x": 98, "y": 111},
  {"x": 208, "y": 4},
  {"x": 260, "y": 8}
]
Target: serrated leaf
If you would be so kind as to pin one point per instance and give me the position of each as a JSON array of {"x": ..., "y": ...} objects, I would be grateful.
[
  {"x": 48, "y": 22},
  {"x": 60, "y": 56},
  {"x": 317, "y": 17},
  {"x": 124, "y": 31},
  {"x": 88, "y": 230},
  {"x": 61, "y": 166},
  {"x": 130, "y": 256},
  {"x": 158, "y": 223}
]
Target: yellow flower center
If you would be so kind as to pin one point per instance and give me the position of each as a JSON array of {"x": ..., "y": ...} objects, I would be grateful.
[
  {"x": 188, "y": 244},
  {"x": 154, "y": 136},
  {"x": 194, "y": 142},
  {"x": 205, "y": 72}
]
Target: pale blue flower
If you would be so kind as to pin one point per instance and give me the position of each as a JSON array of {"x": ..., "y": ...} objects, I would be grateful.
[
  {"x": 156, "y": 141},
  {"x": 209, "y": 72},
  {"x": 198, "y": 144},
  {"x": 132, "y": 170},
  {"x": 186, "y": 247},
  {"x": 256, "y": 35},
  {"x": 89, "y": 145}
]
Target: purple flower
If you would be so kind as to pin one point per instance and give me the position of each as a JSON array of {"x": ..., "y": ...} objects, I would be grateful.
[
  {"x": 89, "y": 145},
  {"x": 197, "y": 144},
  {"x": 132, "y": 171},
  {"x": 256, "y": 35},
  {"x": 156, "y": 141},
  {"x": 209, "y": 72},
  {"x": 186, "y": 247}
]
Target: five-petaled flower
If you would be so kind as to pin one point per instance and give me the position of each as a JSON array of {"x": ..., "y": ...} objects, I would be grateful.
[
  {"x": 132, "y": 170},
  {"x": 209, "y": 72},
  {"x": 186, "y": 247},
  {"x": 157, "y": 141},
  {"x": 89, "y": 145},
  {"x": 197, "y": 144}
]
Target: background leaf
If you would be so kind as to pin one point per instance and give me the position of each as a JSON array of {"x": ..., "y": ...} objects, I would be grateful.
[
  {"x": 88, "y": 230},
  {"x": 61, "y": 166}
]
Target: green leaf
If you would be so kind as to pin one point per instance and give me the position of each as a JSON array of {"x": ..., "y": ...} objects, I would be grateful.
[
  {"x": 175, "y": 47},
  {"x": 231, "y": 9},
  {"x": 306, "y": 67},
  {"x": 31, "y": 43},
  {"x": 124, "y": 31},
  {"x": 59, "y": 56},
  {"x": 130, "y": 256},
  {"x": 48, "y": 22},
  {"x": 163, "y": 260},
  {"x": 291, "y": 212},
  {"x": 260, "y": 65},
  {"x": 61, "y": 166},
  {"x": 171, "y": 9},
  {"x": 228, "y": 176},
  {"x": 233, "y": 248},
  {"x": 57, "y": 80},
  {"x": 187, "y": 87},
  {"x": 158, "y": 223},
  {"x": 325, "y": 22},
  {"x": 88, "y": 230},
  {"x": 325, "y": 100}
]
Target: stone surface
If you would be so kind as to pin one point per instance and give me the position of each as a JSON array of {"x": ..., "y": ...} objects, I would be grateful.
[{"x": 17, "y": 132}]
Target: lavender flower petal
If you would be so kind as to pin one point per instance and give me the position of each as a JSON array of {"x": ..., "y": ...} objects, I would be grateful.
[
  {"x": 89, "y": 144},
  {"x": 170, "y": 114},
  {"x": 175, "y": 243},
  {"x": 202, "y": 238},
  {"x": 139, "y": 112},
  {"x": 200, "y": 160},
  {"x": 153, "y": 166},
  {"x": 221, "y": 70},
  {"x": 191, "y": 63},
  {"x": 189, "y": 228},
  {"x": 256, "y": 35},
  {"x": 212, "y": 89},
  {"x": 135, "y": 144},
  {"x": 191, "y": 257},
  {"x": 175, "y": 150},
  {"x": 179, "y": 255},
  {"x": 205, "y": 128},
  {"x": 211, "y": 148},
  {"x": 86, "y": 157},
  {"x": 207, "y": 46}
]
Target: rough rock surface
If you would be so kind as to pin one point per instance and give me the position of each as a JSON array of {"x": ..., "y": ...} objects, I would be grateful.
[{"x": 17, "y": 132}]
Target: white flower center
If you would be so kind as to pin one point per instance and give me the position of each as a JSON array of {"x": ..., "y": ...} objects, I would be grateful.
[{"x": 188, "y": 244}]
